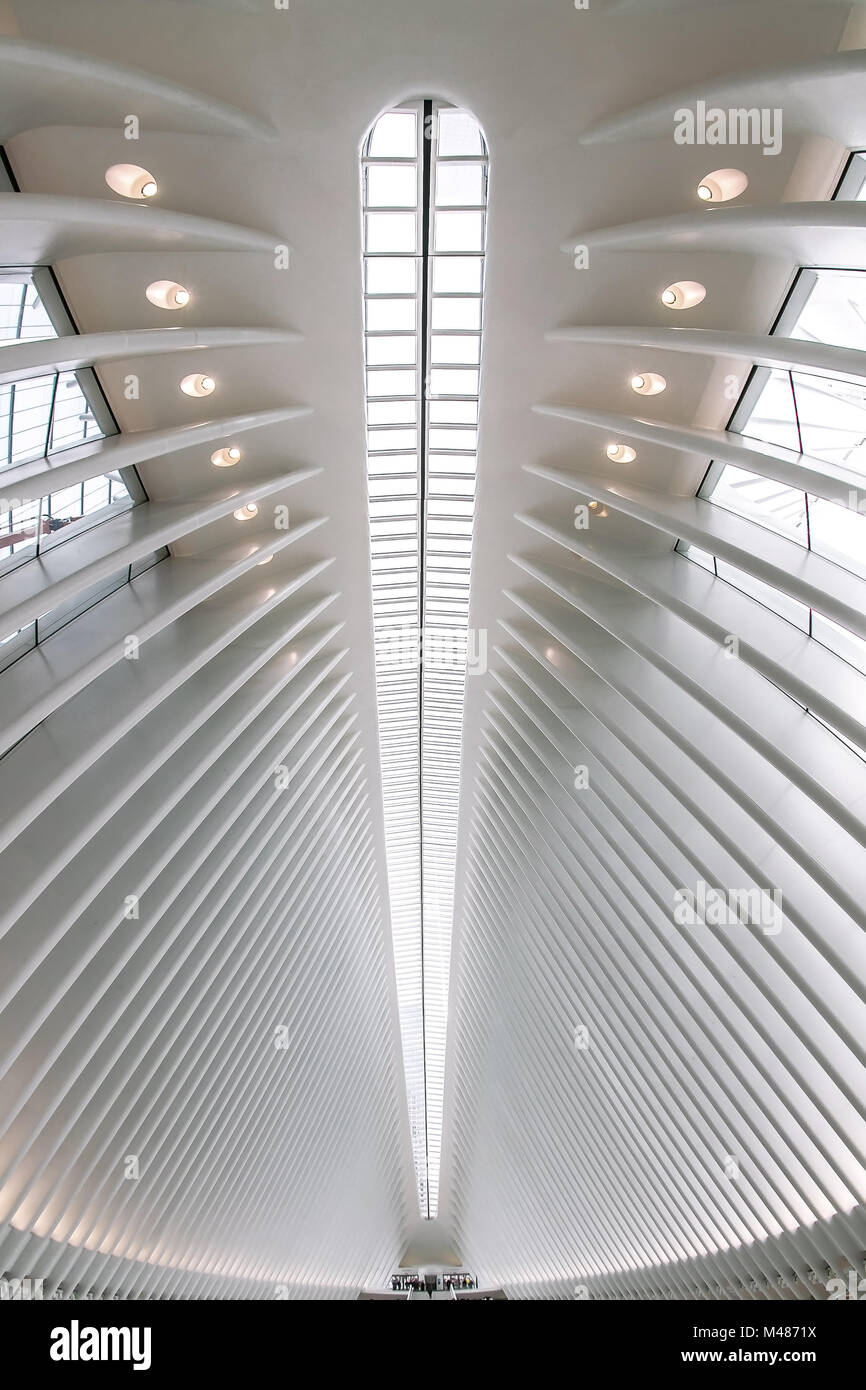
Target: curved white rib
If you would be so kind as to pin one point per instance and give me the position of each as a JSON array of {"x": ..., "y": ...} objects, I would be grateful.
[
  {"x": 43, "y": 85},
  {"x": 40, "y": 228},
  {"x": 800, "y": 573},
  {"x": 824, "y": 95},
  {"x": 822, "y": 234},
  {"x": 45, "y": 678},
  {"x": 789, "y": 354},
  {"x": 842, "y": 485},
  {"x": 83, "y": 560},
  {"x": 35, "y": 356},
  {"x": 811, "y": 674},
  {"x": 44, "y": 475}
]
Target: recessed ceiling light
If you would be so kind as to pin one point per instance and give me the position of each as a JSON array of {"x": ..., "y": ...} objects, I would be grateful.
[
  {"x": 197, "y": 385},
  {"x": 621, "y": 453},
  {"x": 226, "y": 458},
  {"x": 168, "y": 294},
  {"x": 722, "y": 185},
  {"x": 648, "y": 383},
  {"x": 131, "y": 181},
  {"x": 266, "y": 560},
  {"x": 246, "y": 513},
  {"x": 593, "y": 506},
  {"x": 683, "y": 294}
]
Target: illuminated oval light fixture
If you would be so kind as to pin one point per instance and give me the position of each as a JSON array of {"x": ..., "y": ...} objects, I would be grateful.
[
  {"x": 648, "y": 383},
  {"x": 131, "y": 181},
  {"x": 226, "y": 458},
  {"x": 197, "y": 385},
  {"x": 621, "y": 453},
  {"x": 168, "y": 294},
  {"x": 722, "y": 185},
  {"x": 683, "y": 294},
  {"x": 267, "y": 560},
  {"x": 246, "y": 513}
]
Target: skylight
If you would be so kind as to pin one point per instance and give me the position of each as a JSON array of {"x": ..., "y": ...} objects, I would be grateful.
[{"x": 424, "y": 172}]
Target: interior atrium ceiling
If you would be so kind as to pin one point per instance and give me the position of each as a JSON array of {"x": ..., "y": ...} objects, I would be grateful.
[{"x": 557, "y": 941}]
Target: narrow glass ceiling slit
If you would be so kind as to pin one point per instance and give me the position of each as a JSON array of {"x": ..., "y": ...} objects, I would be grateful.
[{"x": 424, "y": 180}]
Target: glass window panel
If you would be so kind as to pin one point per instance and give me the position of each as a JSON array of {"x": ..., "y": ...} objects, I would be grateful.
[
  {"x": 391, "y": 276},
  {"x": 392, "y": 186},
  {"x": 456, "y": 313},
  {"x": 458, "y": 231},
  {"x": 460, "y": 185},
  {"x": 389, "y": 547},
  {"x": 460, "y": 349},
  {"x": 403, "y": 486},
  {"x": 774, "y": 418},
  {"x": 392, "y": 439},
  {"x": 394, "y": 136},
  {"x": 445, "y": 382},
  {"x": 22, "y": 313},
  {"x": 391, "y": 412},
  {"x": 405, "y": 526},
  {"x": 835, "y": 311},
  {"x": 832, "y": 419},
  {"x": 771, "y": 504},
  {"x": 839, "y": 534},
  {"x": 439, "y": 486},
  {"x": 449, "y": 507},
  {"x": 391, "y": 231},
  {"x": 452, "y": 463},
  {"x": 391, "y": 315},
  {"x": 386, "y": 383},
  {"x": 392, "y": 463},
  {"x": 457, "y": 275},
  {"x": 458, "y": 134},
  {"x": 453, "y": 412},
  {"x": 391, "y": 351},
  {"x": 453, "y": 439}
]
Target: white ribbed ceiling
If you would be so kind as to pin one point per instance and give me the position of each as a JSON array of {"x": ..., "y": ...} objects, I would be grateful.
[{"x": 202, "y": 1089}]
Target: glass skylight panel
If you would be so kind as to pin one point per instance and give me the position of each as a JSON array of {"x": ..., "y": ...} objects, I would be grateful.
[
  {"x": 392, "y": 186},
  {"x": 395, "y": 136},
  {"x": 391, "y": 232},
  {"x": 460, "y": 185},
  {"x": 390, "y": 275},
  {"x": 391, "y": 316},
  {"x": 457, "y": 275},
  {"x": 456, "y": 313},
  {"x": 422, "y": 483}
]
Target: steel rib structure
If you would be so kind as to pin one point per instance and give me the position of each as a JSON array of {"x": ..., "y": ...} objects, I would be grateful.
[{"x": 203, "y": 1090}]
